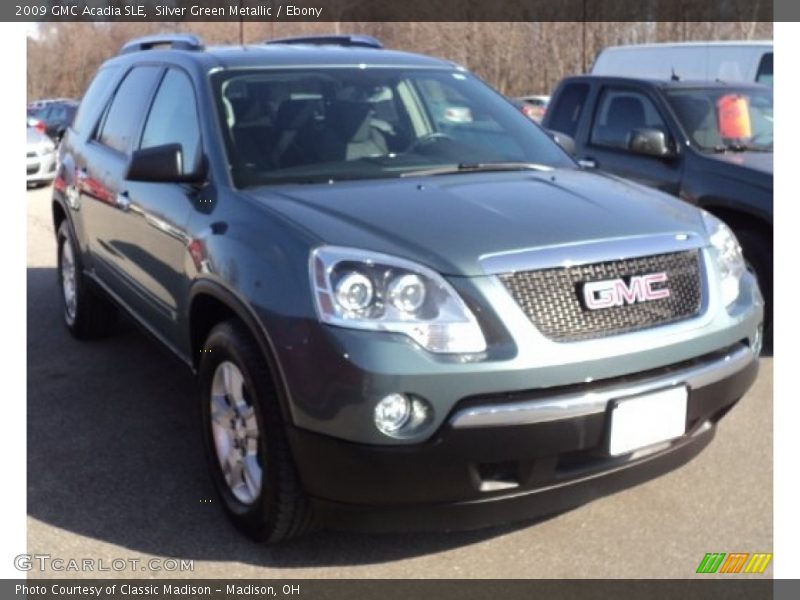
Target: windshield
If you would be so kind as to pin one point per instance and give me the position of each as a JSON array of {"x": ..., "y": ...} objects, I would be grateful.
[
  {"x": 310, "y": 125},
  {"x": 725, "y": 119}
]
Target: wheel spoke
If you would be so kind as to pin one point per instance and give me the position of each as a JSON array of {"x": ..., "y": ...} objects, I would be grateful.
[
  {"x": 234, "y": 384},
  {"x": 235, "y": 469},
  {"x": 221, "y": 411},
  {"x": 252, "y": 476},
  {"x": 248, "y": 415}
]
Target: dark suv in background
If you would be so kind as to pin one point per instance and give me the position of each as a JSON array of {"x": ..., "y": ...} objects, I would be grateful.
[
  {"x": 709, "y": 143},
  {"x": 55, "y": 117},
  {"x": 407, "y": 307}
]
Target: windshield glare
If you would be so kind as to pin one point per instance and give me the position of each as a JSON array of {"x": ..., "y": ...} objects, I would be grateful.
[
  {"x": 350, "y": 123},
  {"x": 720, "y": 119}
]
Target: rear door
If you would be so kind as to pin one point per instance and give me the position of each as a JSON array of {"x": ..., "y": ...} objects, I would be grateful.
[
  {"x": 100, "y": 178},
  {"x": 620, "y": 110}
]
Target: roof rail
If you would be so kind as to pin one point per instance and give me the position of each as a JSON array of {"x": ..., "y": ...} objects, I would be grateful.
[
  {"x": 362, "y": 41},
  {"x": 176, "y": 41}
]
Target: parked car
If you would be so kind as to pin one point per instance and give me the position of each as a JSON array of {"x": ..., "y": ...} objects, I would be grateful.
[
  {"x": 398, "y": 321},
  {"x": 41, "y": 158},
  {"x": 732, "y": 61},
  {"x": 533, "y": 107},
  {"x": 707, "y": 143},
  {"x": 38, "y": 105},
  {"x": 56, "y": 116}
]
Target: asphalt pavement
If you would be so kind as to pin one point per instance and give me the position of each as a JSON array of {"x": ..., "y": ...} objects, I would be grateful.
[{"x": 116, "y": 471}]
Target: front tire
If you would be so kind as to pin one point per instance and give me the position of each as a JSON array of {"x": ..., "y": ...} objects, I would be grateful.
[
  {"x": 246, "y": 446},
  {"x": 86, "y": 314}
]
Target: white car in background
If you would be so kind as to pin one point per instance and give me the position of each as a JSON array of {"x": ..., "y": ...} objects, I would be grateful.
[
  {"x": 41, "y": 158},
  {"x": 732, "y": 61}
]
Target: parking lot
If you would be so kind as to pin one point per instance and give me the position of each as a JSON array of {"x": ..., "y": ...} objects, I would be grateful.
[{"x": 116, "y": 470}]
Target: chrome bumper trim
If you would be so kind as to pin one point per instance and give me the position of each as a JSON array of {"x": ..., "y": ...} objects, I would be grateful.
[{"x": 570, "y": 406}]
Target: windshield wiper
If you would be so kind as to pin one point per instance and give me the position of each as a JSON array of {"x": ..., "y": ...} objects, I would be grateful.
[{"x": 476, "y": 168}]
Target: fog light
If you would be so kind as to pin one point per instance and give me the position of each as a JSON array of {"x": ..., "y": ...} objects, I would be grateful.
[
  {"x": 392, "y": 412},
  {"x": 401, "y": 416}
]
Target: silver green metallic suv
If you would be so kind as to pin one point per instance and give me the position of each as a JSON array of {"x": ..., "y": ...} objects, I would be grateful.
[{"x": 407, "y": 307}]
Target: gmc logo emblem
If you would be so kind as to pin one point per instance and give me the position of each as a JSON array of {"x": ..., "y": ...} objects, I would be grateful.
[{"x": 615, "y": 292}]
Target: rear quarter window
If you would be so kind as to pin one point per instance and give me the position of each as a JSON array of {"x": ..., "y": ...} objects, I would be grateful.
[
  {"x": 764, "y": 75},
  {"x": 94, "y": 99}
]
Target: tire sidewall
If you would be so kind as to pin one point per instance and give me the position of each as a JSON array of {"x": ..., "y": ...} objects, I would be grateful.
[{"x": 224, "y": 344}]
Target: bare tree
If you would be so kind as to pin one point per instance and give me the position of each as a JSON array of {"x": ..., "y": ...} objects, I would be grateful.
[{"x": 517, "y": 58}]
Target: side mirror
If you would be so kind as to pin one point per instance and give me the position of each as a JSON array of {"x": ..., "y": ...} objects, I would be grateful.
[
  {"x": 562, "y": 139},
  {"x": 650, "y": 142},
  {"x": 163, "y": 164}
]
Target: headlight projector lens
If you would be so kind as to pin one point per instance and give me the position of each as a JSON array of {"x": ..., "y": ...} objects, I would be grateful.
[
  {"x": 407, "y": 293},
  {"x": 354, "y": 291}
]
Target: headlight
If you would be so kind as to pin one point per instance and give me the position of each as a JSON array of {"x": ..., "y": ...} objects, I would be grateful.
[
  {"x": 729, "y": 257},
  {"x": 367, "y": 290}
]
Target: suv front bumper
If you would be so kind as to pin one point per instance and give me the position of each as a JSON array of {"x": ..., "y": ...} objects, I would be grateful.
[{"x": 500, "y": 459}]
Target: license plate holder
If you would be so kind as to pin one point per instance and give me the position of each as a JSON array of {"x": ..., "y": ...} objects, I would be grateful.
[{"x": 641, "y": 421}]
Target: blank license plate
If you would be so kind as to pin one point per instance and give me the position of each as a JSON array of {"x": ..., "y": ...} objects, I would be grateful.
[{"x": 647, "y": 420}]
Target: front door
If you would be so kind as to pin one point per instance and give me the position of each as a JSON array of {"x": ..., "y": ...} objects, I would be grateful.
[{"x": 619, "y": 112}]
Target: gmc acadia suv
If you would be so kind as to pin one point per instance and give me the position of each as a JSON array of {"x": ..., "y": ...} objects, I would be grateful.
[{"x": 407, "y": 307}]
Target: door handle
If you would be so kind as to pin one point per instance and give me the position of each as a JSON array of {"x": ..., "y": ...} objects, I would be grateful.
[
  {"x": 588, "y": 163},
  {"x": 123, "y": 201}
]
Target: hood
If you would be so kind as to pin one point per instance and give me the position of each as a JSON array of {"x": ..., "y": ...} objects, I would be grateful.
[
  {"x": 754, "y": 168},
  {"x": 755, "y": 161},
  {"x": 449, "y": 222}
]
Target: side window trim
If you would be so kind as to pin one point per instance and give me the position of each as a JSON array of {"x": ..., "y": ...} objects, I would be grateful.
[
  {"x": 137, "y": 143},
  {"x": 167, "y": 68}
]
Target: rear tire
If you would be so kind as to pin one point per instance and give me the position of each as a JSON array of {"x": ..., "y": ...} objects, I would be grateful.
[
  {"x": 757, "y": 250},
  {"x": 87, "y": 315},
  {"x": 245, "y": 440}
]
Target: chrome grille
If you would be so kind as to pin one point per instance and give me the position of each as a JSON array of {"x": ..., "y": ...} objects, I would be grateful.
[{"x": 552, "y": 298}]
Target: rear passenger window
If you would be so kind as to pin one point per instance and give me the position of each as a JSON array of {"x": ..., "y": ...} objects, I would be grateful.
[
  {"x": 94, "y": 99},
  {"x": 124, "y": 115},
  {"x": 173, "y": 118},
  {"x": 619, "y": 112},
  {"x": 567, "y": 111}
]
